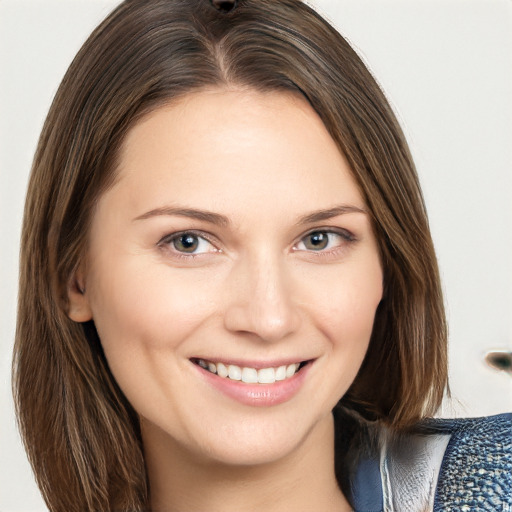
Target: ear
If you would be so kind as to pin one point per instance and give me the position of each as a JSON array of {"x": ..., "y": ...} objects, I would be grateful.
[{"x": 79, "y": 309}]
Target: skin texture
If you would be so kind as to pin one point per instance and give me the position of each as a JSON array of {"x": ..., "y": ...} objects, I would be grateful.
[{"x": 254, "y": 290}]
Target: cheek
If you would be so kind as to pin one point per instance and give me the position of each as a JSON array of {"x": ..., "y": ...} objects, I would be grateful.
[
  {"x": 138, "y": 309},
  {"x": 345, "y": 312},
  {"x": 144, "y": 319}
]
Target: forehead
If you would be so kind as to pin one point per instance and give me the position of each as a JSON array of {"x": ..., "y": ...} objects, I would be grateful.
[{"x": 233, "y": 147}]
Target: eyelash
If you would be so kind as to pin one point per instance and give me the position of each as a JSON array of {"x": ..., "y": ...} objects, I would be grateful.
[
  {"x": 169, "y": 240},
  {"x": 346, "y": 236}
]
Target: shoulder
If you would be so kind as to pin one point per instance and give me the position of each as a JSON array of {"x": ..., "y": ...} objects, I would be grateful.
[
  {"x": 440, "y": 465},
  {"x": 476, "y": 470}
]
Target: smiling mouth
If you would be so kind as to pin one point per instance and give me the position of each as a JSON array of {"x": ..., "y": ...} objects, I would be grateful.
[{"x": 251, "y": 375}]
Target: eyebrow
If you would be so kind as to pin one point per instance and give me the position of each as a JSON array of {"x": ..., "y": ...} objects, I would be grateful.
[
  {"x": 213, "y": 218},
  {"x": 321, "y": 215},
  {"x": 222, "y": 220}
]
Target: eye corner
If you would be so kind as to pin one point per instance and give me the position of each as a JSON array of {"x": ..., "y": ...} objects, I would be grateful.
[
  {"x": 331, "y": 243},
  {"x": 198, "y": 244}
]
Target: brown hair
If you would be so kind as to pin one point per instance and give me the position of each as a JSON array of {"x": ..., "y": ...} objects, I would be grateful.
[{"x": 81, "y": 434}]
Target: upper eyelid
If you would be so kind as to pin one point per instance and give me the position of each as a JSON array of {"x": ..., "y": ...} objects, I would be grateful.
[
  {"x": 196, "y": 232},
  {"x": 166, "y": 242},
  {"x": 329, "y": 229},
  {"x": 212, "y": 239}
]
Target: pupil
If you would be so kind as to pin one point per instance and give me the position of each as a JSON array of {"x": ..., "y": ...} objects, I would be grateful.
[
  {"x": 318, "y": 240},
  {"x": 186, "y": 243}
]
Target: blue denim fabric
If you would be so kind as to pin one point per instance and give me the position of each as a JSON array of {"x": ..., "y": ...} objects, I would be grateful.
[{"x": 475, "y": 471}]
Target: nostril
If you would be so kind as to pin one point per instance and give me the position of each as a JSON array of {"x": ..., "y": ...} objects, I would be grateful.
[{"x": 224, "y": 5}]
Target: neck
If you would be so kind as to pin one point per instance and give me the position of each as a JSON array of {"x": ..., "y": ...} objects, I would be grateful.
[{"x": 302, "y": 480}]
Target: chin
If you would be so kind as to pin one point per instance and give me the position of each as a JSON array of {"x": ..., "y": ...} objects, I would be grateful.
[
  {"x": 256, "y": 450},
  {"x": 259, "y": 441}
]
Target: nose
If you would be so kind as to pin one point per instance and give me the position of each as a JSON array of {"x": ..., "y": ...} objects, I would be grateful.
[{"x": 261, "y": 300}]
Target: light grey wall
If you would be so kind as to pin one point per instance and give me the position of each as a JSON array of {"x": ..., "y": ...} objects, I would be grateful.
[
  {"x": 447, "y": 67},
  {"x": 38, "y": 39}
]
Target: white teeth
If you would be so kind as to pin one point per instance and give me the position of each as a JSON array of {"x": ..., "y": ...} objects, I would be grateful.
[
  {"x": 291, "y": 369},
  {"x": 250, "y": 375},
  {"x": 234, "y": 372},
  {"x": 222, "y": 371},
  {"x": 266, "y": 376},
  {"x": 281, "y": 373}
]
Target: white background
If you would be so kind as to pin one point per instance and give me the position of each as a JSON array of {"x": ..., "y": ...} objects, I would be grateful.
[{"x": 447, "y": 67}]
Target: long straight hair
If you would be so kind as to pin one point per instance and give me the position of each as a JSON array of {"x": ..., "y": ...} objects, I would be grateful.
[{"x": 81, "y": 434}]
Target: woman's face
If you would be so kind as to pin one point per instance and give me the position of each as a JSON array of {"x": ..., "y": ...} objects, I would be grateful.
[{"x": 234, "y": 241}]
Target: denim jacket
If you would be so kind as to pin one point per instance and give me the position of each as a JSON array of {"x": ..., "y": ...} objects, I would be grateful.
[{"x": 460, "y": 465}]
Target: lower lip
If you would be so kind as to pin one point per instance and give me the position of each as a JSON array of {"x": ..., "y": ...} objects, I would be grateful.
[{"x": 257, "y": 395}]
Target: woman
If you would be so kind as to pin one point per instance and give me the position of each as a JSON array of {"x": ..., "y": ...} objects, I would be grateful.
[{"x": 229, "y": 296}]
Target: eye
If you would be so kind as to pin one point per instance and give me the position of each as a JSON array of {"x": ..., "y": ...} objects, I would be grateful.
[
  {"x": 322, "y": 240},
  {"x": 188, "y": 243}
]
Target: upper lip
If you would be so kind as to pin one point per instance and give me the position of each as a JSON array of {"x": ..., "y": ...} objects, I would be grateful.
[{"x": 253, "y": 363}]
